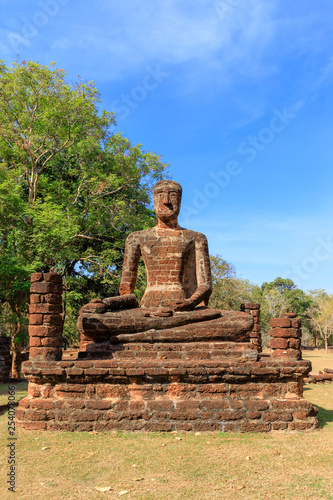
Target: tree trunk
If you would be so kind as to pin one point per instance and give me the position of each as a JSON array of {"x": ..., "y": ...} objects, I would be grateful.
[
  {"x": 16, "y": 352},
  {"x": 326, "y": 339}
]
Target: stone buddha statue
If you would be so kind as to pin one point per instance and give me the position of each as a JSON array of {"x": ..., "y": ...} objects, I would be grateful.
[{"x": 174, "y": 307}]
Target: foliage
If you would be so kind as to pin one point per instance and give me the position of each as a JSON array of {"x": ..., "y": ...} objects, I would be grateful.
[
  {"x": 320, "y": 314},
  {"x": 71, "y": 188},
  {"x": 229, "y": 292}
]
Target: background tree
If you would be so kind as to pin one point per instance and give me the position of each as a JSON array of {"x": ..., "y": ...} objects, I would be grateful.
[
  {"x": 320, "y": 314},
  {"x": 71, "y": 190},
  {"x": 229, "y": 292}
]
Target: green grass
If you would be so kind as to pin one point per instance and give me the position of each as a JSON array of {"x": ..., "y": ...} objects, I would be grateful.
[{"x": 21, "y": 389}]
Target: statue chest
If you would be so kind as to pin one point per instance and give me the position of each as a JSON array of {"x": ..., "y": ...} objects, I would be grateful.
[{"x": 166, "y": 252}]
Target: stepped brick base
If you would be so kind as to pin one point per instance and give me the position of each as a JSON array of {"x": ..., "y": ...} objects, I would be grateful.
[{"x": 166, "y": 395}]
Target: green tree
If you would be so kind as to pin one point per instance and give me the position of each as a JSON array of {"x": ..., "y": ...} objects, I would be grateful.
[
  {"x": 229, "y": 292},
  {"x": 71, "y": 190},
  {"x": 320, "y": 315}
]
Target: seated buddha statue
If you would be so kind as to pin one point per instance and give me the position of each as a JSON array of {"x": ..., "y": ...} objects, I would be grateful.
[{"x": 179, "y": 285}]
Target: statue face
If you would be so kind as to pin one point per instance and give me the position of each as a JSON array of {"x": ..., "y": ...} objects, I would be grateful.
[{"x": 167, "y": 202}]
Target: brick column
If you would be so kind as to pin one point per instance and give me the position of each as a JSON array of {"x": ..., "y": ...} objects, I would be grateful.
[
  {"x": 255, "y": 335},
  {"x": 286, "y": 336},
  {"x": 45, "y": 316},
  {"x": 5, "y": 358}
]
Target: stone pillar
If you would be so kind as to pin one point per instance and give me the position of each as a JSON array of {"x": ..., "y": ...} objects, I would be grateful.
[
  {"x": 5, "y": 358},
  {"x": 286, "y": 336},
  {"x": 255, "y": 335},
  {"x": 45, "y": 317}
]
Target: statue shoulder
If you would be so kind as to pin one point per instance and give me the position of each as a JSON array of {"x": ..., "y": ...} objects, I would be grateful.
[
  {"x": 137, "y": 236},
  {"x": 195, "y": 235}
]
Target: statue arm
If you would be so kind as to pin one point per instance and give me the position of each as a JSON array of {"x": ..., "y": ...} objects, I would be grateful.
[
  {"x": 204, "y": 278},
  {"x": 203, "y": 274},
  {"x": 130, "y": 265}
]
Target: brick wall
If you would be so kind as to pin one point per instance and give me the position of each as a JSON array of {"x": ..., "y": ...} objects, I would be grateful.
[
  {"x": 45, "y": 316},
  {"x": 286, "y": 333},
  {"x": 164, "y": 396},
  {"x": 255, "y": 335}
]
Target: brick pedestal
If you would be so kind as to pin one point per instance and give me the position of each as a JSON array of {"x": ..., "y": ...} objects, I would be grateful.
[
  {"x": 161, "y": 381},
  {"x": 255, "y": 335},
  {"x": 286, "y": 336},
  {"x": 45, "y": 317},
  {"x": 169, "y": 395},
  {"x": 5, "y": 358}
]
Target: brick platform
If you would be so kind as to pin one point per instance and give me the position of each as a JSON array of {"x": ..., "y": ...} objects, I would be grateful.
[
  {"x": 194, "y": 377},
  {"x": 155, "y": 395}
]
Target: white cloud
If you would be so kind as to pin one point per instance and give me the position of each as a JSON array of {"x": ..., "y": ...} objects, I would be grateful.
[
  {"x": 132, "y": 34},
  {"x": 12, "y": 41}
]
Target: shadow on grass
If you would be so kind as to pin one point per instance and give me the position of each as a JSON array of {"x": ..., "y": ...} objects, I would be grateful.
[{"x": 324, "y": 416}]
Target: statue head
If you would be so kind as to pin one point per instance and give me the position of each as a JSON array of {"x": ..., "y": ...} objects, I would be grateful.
[{"x": 167, "y": 198}]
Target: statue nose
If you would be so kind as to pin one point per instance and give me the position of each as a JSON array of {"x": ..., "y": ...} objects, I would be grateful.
[{"x": 166, "y": 200}]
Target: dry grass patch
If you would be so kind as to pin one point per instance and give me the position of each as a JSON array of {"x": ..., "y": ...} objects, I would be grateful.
[
  {"x": 20, "y": 392},
  {"x": 319, "y": 359}
]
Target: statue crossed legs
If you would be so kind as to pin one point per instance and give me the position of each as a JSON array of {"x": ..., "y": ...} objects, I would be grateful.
[{"x": 174, "y": 305}]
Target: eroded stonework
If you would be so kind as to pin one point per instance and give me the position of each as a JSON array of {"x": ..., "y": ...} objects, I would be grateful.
[{"x": 172, "y": 363}]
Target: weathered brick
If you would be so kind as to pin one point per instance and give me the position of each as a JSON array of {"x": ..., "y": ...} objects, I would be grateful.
[
  {"x": 300, "y": 426},
  {"x": 254, "y": 427},
  {"x": 278, "y": 343},
  {"x": 98, "y": 405},
  {"x": 74, "y": 403},
  {"x": 51, "y": 341},
  {"x": 256, "y": 405},
  {"x": 35, "y": 298},
  {"x": 229, "y": 415},
  {"x": 45, "y": 308},
  {"x": 50, "y": 353},
  {"x": 252, "y": 415},
  {"x": 45, "y": 331},
  {"x": 280, "y": 322},
  {"x": 74, "y": 372},
  {"x": 52, "y": 298},
  {"x": 286, "y": 353},
  {"x": 230, "y": 427},
  {"x": 34, "y": 426},
  {"x": 214, "y": 404},
  {"x": 42, "y": 287},
  {"x": 43, "y": 404},
  {"x": 187, "y": 405},
  {"x": 285, "y": 332},
  {"x": 279, "y": 426},
  {"x": 206, "y": 426},
  {"x": 296, "y": 323},
  {"x": 294, "y": 344},
  {"x": 36, "y": 277},
  {"x": 52, "y": 319},
  {"x": 35, "y": 319},
  {"x": 160, "y": 404},
  {"x": 273, "y": 416},
  {"x": 53, "y": 277},
  {"x": 83, "y": 415}
]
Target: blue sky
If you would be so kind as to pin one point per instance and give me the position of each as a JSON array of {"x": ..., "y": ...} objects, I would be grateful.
[{"x": 235, "y": 94}]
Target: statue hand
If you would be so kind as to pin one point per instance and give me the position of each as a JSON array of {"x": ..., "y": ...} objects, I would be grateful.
[
  {"x": 183, "y": 305},
  {"x": 162, "y": 312},
  {"x": 96, "y": 306}
]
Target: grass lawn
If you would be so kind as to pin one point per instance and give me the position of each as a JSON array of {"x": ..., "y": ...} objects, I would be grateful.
[
  {"x": 178, "y": 466},
  {"x": 21, "y": 390}
]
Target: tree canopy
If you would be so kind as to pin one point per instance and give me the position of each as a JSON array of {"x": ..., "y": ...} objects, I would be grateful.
[{"x": 71, "y": 187}]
